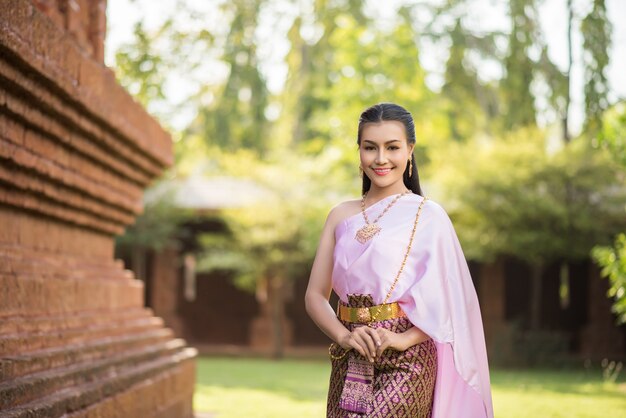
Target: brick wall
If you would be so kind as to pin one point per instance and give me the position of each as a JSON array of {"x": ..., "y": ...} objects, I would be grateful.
[{"x": 76, "y": 153}]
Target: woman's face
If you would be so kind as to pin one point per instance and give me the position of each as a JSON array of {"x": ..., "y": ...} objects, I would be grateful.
[{"x": 384, "y": 152}]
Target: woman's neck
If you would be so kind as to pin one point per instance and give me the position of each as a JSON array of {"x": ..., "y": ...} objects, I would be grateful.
[{"x": 376, "y": 193}]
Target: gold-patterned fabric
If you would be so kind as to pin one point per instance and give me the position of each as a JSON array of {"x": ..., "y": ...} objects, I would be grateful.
[
  {"x": 365, "y": 315},
  {"x": 403, "y": 382}
]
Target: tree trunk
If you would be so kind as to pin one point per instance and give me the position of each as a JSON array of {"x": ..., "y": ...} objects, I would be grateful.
[
  {"x": 570, "y": 18},
  {"x": 138, "y": 262},
  {"x": 535, "y": 295},
  {"x": 277, "y": 310}
]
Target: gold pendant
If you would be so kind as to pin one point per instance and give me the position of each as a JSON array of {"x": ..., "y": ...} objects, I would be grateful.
[{"x": 366, "y": 233}]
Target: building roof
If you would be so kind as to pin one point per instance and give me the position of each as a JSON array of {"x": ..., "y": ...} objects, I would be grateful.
[{"x": 208, "y": 193}]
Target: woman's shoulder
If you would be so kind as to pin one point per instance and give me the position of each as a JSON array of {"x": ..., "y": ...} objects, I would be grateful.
[
  {"x": 435, "y": 212},
  {"x": 434, "y": 206},
  {"x": 343, "y": 210}
]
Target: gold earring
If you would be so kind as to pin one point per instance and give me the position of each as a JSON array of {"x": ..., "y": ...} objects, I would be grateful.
[{"x": 410, "y": 168}]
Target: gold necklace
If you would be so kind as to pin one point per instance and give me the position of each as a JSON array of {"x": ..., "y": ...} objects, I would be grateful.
[
  {"x": 393, "y": 285},
  {"x": 369, "y": 230}
]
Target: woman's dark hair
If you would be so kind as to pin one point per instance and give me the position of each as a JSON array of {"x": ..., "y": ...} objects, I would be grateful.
[{"x": 386, "y": 112}]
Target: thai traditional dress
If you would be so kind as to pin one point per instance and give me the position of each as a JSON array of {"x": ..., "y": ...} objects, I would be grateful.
[{"x": 446, "y": 376}]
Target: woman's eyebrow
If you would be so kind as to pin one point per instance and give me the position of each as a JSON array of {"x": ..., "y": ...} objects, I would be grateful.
[{"x": 388, "y": 142}]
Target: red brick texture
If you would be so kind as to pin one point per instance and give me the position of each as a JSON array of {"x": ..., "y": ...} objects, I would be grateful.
[
  {"x": 83, "y": 20},
  {"x": 76, "y": 153}
]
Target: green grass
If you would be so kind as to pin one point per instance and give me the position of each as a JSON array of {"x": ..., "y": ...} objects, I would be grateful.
[
  {"x": 244, "y": 387},
  {"x": 556, "y": 394}
]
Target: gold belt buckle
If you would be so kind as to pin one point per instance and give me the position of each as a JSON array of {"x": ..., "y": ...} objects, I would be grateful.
[{"x": 363, "y": 315}]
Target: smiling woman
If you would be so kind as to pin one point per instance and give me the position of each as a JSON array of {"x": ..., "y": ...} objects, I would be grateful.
[
  {"x": 386, "y": 138},
  {"x": 408, "y": 336},
  {"x": 379, "y": 156}
]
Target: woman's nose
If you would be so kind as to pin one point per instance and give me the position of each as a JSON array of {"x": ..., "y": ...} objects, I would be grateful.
[{"x": 381, "y": 158}]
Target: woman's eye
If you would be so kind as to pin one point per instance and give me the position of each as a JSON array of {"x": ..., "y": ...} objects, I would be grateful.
[
  {"x": 369, "y": 148},
  {"x": 393, "y": 147}
]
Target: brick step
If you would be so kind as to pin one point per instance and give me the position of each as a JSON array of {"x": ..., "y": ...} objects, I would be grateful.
[
  {"x": 60, "y": 268},
  {"x": 167, "y": 395},
  {"x": 12, "y": 367},
  {"x": 33, "y": 295},
  {"x": 20, "y": 343},
  {"x": 73, "y": 399},
  {"x": 17, "y": 324},
  {"x": 8, "y": 249},
  {"x": 21, "y": 255},
  {"x": 27, "y": 389}
]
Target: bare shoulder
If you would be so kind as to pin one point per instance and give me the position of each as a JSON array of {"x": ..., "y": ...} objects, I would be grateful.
[{"x": 342, "y": 211}]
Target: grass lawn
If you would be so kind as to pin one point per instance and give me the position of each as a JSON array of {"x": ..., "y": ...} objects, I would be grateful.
[{"x": 245, "y": 387}]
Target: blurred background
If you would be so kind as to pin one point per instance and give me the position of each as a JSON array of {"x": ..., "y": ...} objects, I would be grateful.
[{"x": 520, "y": 113}]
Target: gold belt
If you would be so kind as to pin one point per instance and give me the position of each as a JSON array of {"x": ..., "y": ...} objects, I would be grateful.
[{"x": 364, "y": 315}]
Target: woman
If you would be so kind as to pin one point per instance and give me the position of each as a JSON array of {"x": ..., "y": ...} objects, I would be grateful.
[{"x": 408, "y": 337}]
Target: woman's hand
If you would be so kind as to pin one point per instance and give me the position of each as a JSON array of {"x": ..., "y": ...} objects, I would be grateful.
[
  {"x": 400, "y": 341},
  {"x": 372, "y": 342},
  {"x": 363, "y": 339}
]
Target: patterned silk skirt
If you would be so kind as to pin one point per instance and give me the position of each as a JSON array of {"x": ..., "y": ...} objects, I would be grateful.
[{"x": 402, "y": 384}]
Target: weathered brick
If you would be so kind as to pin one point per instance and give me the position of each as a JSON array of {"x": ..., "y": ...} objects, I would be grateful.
[
  {"x": 90, "y": 77},
  {"x": 77, "y": 21},
  {"x": 42, "y": 29},
  {"x": 71, "y": 60},
  {"x": 70, "y": 178},
  {"x": 74, "y": 240},
  {"x": 34, "y": 142},
  {"x": 97, "y": 28},
  {"x": 51, "y": 9},
  {"x": 18, "y": 14}
]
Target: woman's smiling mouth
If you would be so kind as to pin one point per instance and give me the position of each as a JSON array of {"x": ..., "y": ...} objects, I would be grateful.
[{"x": 381, "y": 171}]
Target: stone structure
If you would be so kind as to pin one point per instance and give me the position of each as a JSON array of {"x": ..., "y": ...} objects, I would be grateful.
[{"x": 76, "y": 153}]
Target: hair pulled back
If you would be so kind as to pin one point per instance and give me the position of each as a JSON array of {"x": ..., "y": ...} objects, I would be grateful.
[{"x": 382, "y": 112}]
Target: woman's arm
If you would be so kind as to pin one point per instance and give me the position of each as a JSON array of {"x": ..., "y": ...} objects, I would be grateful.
[{"x": 362, "y": 339}]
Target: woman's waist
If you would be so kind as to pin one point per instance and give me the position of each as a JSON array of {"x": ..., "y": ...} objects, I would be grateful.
[{"x": 360, "y": 309}]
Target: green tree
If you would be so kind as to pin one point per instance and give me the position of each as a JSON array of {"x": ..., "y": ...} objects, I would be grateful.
[
  {"x": 310, "y": 62},
  {"x": 176, "y": 48},
  {"x": 346, "y": 63},
  {"x": 141, "y": 69},
  {"x": 613, "y": 259},
  {"x": 236, "y": 118},
  {"x": 512, "y": 200},
  {"x": 596, "y": 31},
  {"x": 520, "y": 68},
  {"x": 274, "y": 240},
  {"x": 613, "y": 134},
  {"x": 461, "y": 85},
  {"x": 156, "y": 228},
  {"x": 613, "y": 262}
]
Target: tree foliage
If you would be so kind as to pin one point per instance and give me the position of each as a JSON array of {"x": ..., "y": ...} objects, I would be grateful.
[
  {"x": 140, "y": 68},
  {"x": 613, "y": 259},
  {"x": 596, "y": 31},
  {"x": 519, "y": 109},
  {"x": 157, "y": 227},
  {"x": 480, "y": 147},
  {"x": 613, "y": 262},
  {"x": 236, "y": 118},
  {"x": 509, "y": 197}
]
